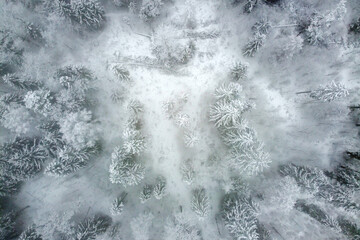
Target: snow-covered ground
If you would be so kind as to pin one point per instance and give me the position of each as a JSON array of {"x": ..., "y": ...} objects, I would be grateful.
[{"x": 293, "y": 127}]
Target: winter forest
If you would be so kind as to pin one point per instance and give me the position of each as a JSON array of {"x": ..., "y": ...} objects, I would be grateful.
[{"x": 179, "y": 119}]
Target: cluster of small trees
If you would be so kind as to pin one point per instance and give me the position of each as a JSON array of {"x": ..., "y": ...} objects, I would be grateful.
[
  {"x": 174, "y": 110},
  {"x": 158, "y": 190},
  {"x": 247, "y": 153},
  {"x": 318, "y": 28},
  {"x": 337, "y": 188},
  {"x": 125, "y": 167}
]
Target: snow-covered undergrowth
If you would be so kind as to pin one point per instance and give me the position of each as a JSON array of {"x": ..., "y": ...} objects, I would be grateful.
[{"x": 177, "y": 120}]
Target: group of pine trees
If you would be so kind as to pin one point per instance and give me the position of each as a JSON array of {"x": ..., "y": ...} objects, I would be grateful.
[{"x": 246, "y": 151}]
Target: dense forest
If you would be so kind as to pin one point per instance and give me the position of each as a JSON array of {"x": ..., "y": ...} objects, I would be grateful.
[{"x": 179, "y": 119}]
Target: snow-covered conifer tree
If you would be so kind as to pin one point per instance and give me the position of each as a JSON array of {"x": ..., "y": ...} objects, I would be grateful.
[
  {"x": 68, "y": 160},
  {"x": 20, "y": 82},
  {"x": 254, "y": 45},
  {"x": 121, "y": 73},
  {"x": 117, "y": 206},
  {"x": 318, "y": 31},
  {"x": 230, "y": 105},
  {"x": 87, "y": 13},
  {"x": 200, "y": 202},
  {"x": 330, "y": 92},
  {"x": 8, "y": 185},
  {"x": 240, "y": 218},
  {"x": 134, "y": 142},
  {"x": 250, "y": 160},
  {"x": 92, "y": 227},
  {"x": 261, "y": 27},
  {"x": 318, "y": 214},
  {"x": 239, "y": 138},
  {"x": 160, "y": 187},
  {"x": 23, "y": 158},
  {"x": 309, "y": 178},
  {"x": 146, "y": 193},
  {"x": 125, "y": 169},
  {"x": 190, "y": 138}
]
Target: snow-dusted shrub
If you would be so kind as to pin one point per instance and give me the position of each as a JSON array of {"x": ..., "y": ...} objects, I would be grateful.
[
  {"x": 173, "y": 107},
  {"x": 136, "y": 107},
  {"x": 125, "y": 169},
  {"x": 40, "y": 101},
  {"x": 140, "y": 226},
  {"x": 117, "y": 95},
  {"x": 191, "y": 138},
  {"x": 117, "y": 205},
  {"x": 250, "y": 5},
  {"x": 79, "y": 130},
  {"x": 146, "y": 193},
  {"x": 330, "y": 92},
  {"x": 261, "y": 27},
  {"x": 239, "y": 71},
  {"x": 182, "y": 120},
  {"x": 187, "y": 171},
  {"x": 160, "y": 188},
  {"x": 200, "y": 202},
  {"x": 150, "y": 9}
]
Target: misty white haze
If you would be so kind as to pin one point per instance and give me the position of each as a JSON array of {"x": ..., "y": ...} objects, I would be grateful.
[{"x": 179, "y": 120}]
